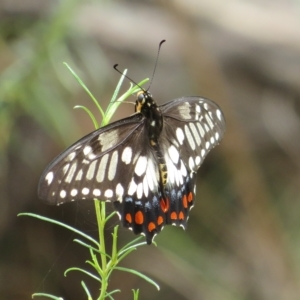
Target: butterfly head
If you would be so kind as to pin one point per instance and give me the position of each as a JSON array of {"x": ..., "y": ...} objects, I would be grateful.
[{"x": 144, "y": 102}]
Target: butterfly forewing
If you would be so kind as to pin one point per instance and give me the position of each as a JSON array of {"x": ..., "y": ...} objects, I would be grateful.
[
  {"x": 88, "y": 168},
  {"x": 194, "y": 125}
]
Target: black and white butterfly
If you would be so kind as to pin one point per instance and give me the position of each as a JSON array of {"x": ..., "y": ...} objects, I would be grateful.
[{"x": 145, "y": 164}]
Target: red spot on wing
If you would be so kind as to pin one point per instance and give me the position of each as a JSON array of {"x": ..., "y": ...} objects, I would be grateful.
[
  {"x": 151, "y": 226},
  {"x": 181, "y": 216},
  {"x": 160, "y": 220},
  {"x": 190, "y": 197},
  {"x": 139, "y": 218},
  {"x": 164, "y": 204},
  {"x": 173, "y": 215},
  {"x": 128, "y": 218}
]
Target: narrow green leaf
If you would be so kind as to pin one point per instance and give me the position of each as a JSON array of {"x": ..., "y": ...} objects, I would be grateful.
[
  {"x": 46, "y": 295},
  {"x": 110, "y": 216},
  {"x": 89, "y": 113},
  {"x": 86, "y": 89},
  {"x": 140, "y": 275},
  {"x": 60, "y": 224},
  {"x": 85, "y": 245},
  {"x": 136, "y": 294},
  {"x": 112, "y": 107},
  {"x": 82, "y": 271},
  {"x": 116, "y": 92},
  {"x": 121, "y": 257},
  {"x": 86, "y": 290},
  {"x": 114, "y": 250},
  {"x": 112, "y": 292},
  {"x": 129, "y": 246}
]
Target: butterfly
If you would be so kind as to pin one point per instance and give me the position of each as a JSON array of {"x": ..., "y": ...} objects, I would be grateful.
[{"x": 144, "y": 164}]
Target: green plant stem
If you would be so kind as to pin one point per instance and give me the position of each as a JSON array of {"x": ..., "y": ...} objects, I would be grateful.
[{"x": 101, "y": 215}]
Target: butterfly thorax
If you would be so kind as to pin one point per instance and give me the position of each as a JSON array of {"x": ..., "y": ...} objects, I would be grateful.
[
  {"x": 149, "y": 109},
  {"x": 154, "y": 125}
]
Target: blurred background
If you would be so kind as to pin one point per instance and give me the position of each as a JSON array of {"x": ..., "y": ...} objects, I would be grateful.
[{"x": 243, "y": 238}]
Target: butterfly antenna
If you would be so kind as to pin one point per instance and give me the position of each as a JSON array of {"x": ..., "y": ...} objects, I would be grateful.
[
  {"x": 159, "y": 46},
  {"x": 116, "y": 68}
]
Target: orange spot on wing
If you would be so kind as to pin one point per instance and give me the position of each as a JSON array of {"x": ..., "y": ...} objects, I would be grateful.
[
  {"x": 139, "y": 218},
  {"x": 151, "y": 226},
  {"x": 160, "y": 220},
  {"x": 181, "y": 216},
  {"x": 174, "y": 215},
  {"x": 190, "y": 197},
  {"x": 185, "y": 201},
  {"x": 128, "y": 218},
  {"x": 164, "y": 204}
]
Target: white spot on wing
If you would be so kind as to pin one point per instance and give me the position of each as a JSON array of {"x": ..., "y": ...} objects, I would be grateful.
[
  {"x": 87, "y": 150},
  {"x": 91, "y": 170},
  {"x": 71, "y": 156},
  {"x": 132, "y": 187},
  {"x": 113, "y": 165},
  {"x": 201, "y": 130},
  {"x": 136, "y": 156},
  {"x": 74, "y": 192},
  {"x": 141, "y": 166},
  {"x": 145, "y": 186},
  {"x": 150, "y": 174},
  {"x": 108, "y": 193},
  {"x": 71, "y": 172},
  {"x": 108, "y": 139},
  {"x": 189, "y": 137},
  {"x": 198, "y": 160},
  {"x": 119, "y": 192},
  {"x": 180, "y": 135},
  {"x": 127, "y": 155},
  {"x": 174, "y": 154},
  {"x": 208, "y": 119},
  {"x": 139, "y": 190},
  {"x": 206, "y": 128},
  {"x": 63, "y": 194},
  {"x": 177, "y": 176},
  {"x": 91, "y": 156},
  {"x": 102, "y": 167},
  {"x": 96, "y": 192},
  {"x": 171, "y": 169},
  {"x": 195, "y": 133},
  {"x": 66, "y": 168},
  {"x": 85, "y": 191},
  {"x": 49, "y": 177},
  {"x": 184, "y": 110},
  {"x": 191, "y": 163},
  {"x": 207, "y": 145},
  {"x": 79, "y": 175}
]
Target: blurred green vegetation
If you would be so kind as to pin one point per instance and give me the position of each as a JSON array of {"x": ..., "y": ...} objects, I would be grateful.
[{"x": 243, "y": 237}]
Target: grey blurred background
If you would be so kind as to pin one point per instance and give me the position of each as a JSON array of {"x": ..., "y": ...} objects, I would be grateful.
[{"x": 243, "y": 238}]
